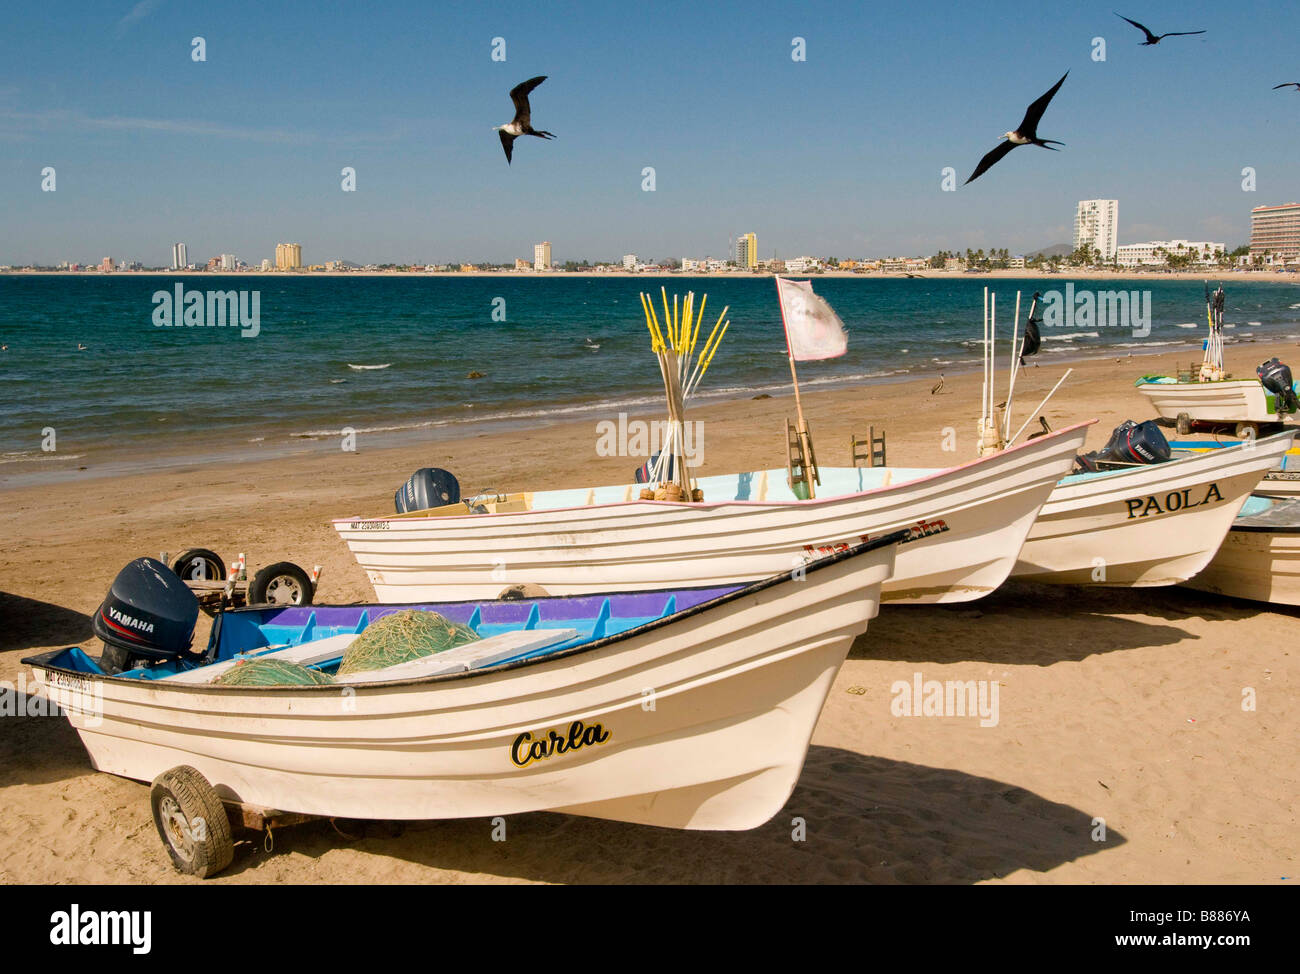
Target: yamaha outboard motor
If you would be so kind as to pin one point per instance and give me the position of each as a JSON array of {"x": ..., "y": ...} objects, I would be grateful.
[
  {"x": 428, "y": 487},
  {"x": 1276, "y": 378},
  {"x": 643, "y": 471},
  {"x": 1131, "y": 444},
  {"x": 149, "y": 614}
]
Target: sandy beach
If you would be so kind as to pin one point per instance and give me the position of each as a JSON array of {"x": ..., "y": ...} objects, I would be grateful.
[{"x": 1119, "y": 708}]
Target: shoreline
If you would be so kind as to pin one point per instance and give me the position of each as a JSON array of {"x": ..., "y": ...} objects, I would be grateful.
[
  {"x": 205, "y": 453},
  {"x": 203, "y": 450}
]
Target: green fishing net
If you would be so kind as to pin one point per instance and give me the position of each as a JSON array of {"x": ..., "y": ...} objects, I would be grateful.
[
  {"x": 271, "y": 673},
  {"x": 401, "y": 637}
]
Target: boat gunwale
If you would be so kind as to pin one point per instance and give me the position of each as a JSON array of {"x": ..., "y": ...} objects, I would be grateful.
[
  {"x": 41, "y": 661},
  {"x": 934, "y": 474}
]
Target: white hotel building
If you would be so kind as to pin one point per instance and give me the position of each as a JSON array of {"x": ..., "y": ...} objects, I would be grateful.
[
  {"x": 1152, "y": 253},
  {"x": 1096, "y": 223}
]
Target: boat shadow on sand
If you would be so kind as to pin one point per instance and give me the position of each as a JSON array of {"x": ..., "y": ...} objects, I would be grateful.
[
  {"x": 33, "y": 624},
  {"x": 867, "y": 820},
  {"x": 1038, "y": 625}
]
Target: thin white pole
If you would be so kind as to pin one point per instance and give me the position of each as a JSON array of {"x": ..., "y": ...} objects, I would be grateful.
[
  {"x": 1011, "y": 384},
  {"x": 1034, "y": 412},
  {"x": 993, "y": 361},
  {"x": 984, "y": 392}
]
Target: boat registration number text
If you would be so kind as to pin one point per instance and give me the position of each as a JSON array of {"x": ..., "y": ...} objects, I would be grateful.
[
  {"x": 1177, "y": 500},
  {"x": 921, "y": 529},
  {"x": 369, "y": 525}
]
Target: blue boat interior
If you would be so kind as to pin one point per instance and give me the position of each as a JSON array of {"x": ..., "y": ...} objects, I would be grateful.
[{"x": 249, "y": 633}]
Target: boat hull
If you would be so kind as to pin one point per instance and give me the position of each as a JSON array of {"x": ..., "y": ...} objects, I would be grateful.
[
  {"x": 706, "y": 719},
  {"x": 1257, "y": 562},
  {"x": 1150, "y": 525},
  {"x": 970, "y": 522},
  {"x": 1232, "y": 400}
]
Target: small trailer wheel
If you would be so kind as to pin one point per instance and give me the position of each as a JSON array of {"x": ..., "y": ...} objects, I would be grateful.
[
  {"x": 283, "y": 583},
  {"x": 200, "y": 565},
  {"x": 191, "y": 821},
  {"x": 1184, "y": 424},
  {"x": 1247, "y": 431}
]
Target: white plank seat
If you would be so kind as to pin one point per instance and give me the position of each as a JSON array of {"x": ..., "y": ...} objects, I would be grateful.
[
  {"x": 469, "y": 656},
  {"x": 314, "y": 651}
]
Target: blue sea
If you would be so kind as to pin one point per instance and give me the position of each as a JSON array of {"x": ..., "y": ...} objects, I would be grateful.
[{"x": 391, "y": 355}]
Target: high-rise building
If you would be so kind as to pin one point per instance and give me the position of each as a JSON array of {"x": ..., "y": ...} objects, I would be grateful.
[
  {"x": 1096, "y": 223},
  {"x": 288, "y": 256},
  {"x": 542, "y": 256},
  {"x": 266, "y": 263},
  {"x": 1275, "y": 231},
  {"x": 745, "y": 251},
  {"x": 227, "y": 262},
  {"x": 180, "y": 260},
  {"x": 629, "y": 262},
  {"x": 106, "y": 264}
]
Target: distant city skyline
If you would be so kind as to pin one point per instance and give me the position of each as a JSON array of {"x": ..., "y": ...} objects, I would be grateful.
[{"x": 381, "y": 149}]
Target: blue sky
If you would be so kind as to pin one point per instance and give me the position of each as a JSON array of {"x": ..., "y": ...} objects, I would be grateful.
[{"x": 840, "y": 154}]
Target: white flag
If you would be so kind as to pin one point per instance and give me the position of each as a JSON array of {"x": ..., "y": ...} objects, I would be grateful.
[{"x": 812, "y": 328}]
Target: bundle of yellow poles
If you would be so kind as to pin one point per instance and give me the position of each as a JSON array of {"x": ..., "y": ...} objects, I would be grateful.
[{"x": 675, "y": 343}]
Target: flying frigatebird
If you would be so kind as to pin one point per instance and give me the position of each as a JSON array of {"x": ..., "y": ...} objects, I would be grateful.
[
  {"x": 1288, "y": 84},
  {"x": 1157, "y": 38},
  {"x": 1026, "y": 133},
  {"x": 522, "y": 124}
]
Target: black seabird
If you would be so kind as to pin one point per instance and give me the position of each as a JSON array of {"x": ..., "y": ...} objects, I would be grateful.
[
  {"x": 1154, "y": 38},
  {"x": 1288, "y": 84},
  {"x": 1026, "y": 133},
  {"x": 522, "y": 124}
]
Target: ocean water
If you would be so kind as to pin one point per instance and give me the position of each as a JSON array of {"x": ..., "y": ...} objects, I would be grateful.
[{"x": 382, "y": 355}]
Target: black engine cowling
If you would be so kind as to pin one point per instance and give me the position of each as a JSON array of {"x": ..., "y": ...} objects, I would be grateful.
[
  {"x": 149, "y": 614},
  {"x": 1130, "y": 444},
  {"x": 428, "y": 487},
  {"x": 1276, "y": 378}
]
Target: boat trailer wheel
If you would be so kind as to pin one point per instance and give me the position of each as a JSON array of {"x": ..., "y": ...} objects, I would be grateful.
[
  {"x": 283, "y": 583},
  {"x": 192, "y": 822},
  {"x": 1183, "y": 424}
]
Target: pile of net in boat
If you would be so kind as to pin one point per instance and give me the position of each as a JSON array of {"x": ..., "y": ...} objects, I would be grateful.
[
  {"x": 401, "y": 637},
  {"x": 271, "y": 673}
]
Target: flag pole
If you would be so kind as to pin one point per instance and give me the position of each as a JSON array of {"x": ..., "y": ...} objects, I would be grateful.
[{"x": 804, "y": 442}]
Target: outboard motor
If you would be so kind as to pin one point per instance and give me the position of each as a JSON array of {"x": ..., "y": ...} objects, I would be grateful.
[
  {"x": 428, "y": 487},
  {"x": 149, "y": 614},
  {"x": 643, "y": 471},
  {"x": 1131, "y": 444},
  {"x": 1276, "y": 378}
]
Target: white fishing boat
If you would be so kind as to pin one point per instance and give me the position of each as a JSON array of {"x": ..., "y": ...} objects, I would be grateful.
[
  {"x": 1241, "y": 401},
  {"x": 682, "y": 708},
  {"x": 1209, "y": 396},
  {"x": 1260, "y": 557},
  {"x": 969, "y": 522},
  {"x": 1155, "y": 524}
]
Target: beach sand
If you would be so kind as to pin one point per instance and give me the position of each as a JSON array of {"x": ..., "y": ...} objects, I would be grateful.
[{"x": 1115, "y": 705}]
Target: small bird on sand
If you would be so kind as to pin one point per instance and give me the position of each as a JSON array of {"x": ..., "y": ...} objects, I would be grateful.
[
  {"x": 1026, "y": 133},
  {"x": 937, "y": 386},
  {"x": 522, "y": 124},
  {"x": 1157, "y": 38},
  {"x": 1288, "y": 84}
]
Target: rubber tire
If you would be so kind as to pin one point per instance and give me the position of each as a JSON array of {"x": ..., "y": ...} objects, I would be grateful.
[
  {"x": 1183, "y": 424},
  {"x": 1246, "y": 430},
  {"x": 257, "y": 589},
  {"x": 184, "y": 563},
  {"x": 189, "y": 794}
]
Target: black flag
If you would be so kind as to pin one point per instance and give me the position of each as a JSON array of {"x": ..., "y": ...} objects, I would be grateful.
[{"x": 1033, "y": 338}]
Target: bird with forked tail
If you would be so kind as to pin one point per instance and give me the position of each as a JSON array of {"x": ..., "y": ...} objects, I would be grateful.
[
  {"x": 1153, "y": 39},
  {"x": 522, "y": 123},
  {"x": 1026, "y": 133}
]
